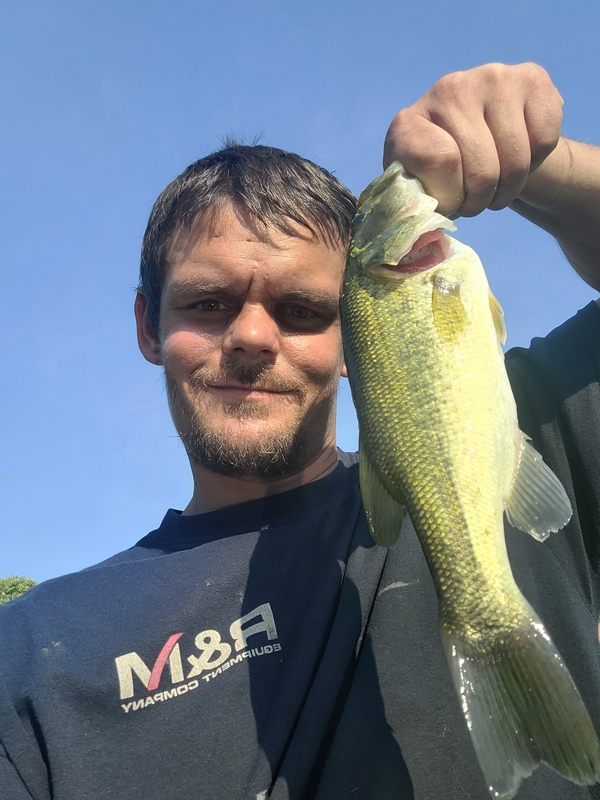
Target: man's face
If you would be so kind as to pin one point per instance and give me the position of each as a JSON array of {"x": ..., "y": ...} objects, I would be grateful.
[{"x": 250, "y": 341}]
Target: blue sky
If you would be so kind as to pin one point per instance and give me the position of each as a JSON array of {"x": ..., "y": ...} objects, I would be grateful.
[{"x": 103, "y": 103}]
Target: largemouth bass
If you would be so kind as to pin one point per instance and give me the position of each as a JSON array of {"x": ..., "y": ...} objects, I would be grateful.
[{"x": 439, "y": 437}]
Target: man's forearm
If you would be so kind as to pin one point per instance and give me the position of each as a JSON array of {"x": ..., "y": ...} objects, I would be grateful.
[{"x": 563, "y": 198}]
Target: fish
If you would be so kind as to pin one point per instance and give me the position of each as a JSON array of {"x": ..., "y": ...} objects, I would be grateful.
[{"x": 439, "y": 439}]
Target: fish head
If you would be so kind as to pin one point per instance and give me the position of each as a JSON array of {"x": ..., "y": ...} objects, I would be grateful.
[
  {"x": 397, "y": 232},
  {"x": 401, "y": 256}
]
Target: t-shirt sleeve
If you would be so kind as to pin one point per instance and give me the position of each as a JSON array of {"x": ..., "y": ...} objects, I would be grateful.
[
  {"x": 556, "y": 382},
  {"x": 11, "y": 785}
]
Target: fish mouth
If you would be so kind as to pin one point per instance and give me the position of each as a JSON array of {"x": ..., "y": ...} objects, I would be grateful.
[{"x": 429, "y": 250}]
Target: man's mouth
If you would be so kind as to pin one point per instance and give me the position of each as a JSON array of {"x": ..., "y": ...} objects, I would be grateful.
[
  {"x": 246, "y": 391},
  {"x": 246, "y": 382}
]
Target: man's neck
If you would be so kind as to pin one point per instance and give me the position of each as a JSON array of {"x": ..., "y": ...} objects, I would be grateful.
[{"x": 212, "y": 491}]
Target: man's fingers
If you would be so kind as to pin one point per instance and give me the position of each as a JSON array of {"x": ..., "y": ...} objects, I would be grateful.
[
  {"x": 511, "y": 141},
  {"x": 480, "y": 164},
  {"x": 475, "y": 137},
  {"x": 543, "y": 120},
  {"x": 430, "y": 154}
]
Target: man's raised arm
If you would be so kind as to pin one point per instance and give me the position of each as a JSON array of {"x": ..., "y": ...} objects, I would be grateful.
[{"x": 490, "y": 138}]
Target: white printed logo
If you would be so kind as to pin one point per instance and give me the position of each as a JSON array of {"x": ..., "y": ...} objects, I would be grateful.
[{"x": 214, "y": 659}]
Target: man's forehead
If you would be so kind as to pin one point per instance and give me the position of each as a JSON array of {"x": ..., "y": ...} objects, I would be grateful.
[
  {"x": 221, "y": 226},
  {"x": 229, "y": 257}
]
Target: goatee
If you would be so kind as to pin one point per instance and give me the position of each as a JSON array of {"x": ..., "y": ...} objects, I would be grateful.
[{"x": 274, "y": 455}]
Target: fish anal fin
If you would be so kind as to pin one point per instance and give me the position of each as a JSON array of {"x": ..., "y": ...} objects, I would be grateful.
[
  {"x": 522, "y": 708},
  {"x": 383, "y": 512},
  {"x": 449, "y": 312},
  {"x": 498, "y": 318},
  {"x": 538, "y": 503}
]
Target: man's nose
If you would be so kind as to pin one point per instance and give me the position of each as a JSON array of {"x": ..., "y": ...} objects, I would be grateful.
[{"x": 253, "y": 331}]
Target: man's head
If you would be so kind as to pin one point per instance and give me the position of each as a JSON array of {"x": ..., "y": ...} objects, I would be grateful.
[
  {"x": 241, "y": 268},
  {"x": 275, "y": 188}
]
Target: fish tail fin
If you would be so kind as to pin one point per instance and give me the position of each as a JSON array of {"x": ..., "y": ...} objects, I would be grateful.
[{"x": 522, "y": 708}]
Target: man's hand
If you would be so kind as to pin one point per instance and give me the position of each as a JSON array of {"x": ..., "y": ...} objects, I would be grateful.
[
  {"x": 490, "y": 138},
  {"x": 474, "y": 138}
]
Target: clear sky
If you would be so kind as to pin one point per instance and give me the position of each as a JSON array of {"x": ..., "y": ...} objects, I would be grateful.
[{"x": 102, "y": 104}]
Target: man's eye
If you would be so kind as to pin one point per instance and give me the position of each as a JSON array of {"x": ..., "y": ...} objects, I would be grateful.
[
  {"x": 301, "y": 312},
  {"x": 210, "y": 305}
]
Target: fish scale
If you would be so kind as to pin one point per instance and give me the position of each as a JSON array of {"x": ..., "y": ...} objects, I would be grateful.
[
  {"x": 439, "y": 437},
  {"x": 402, "y": 409}
]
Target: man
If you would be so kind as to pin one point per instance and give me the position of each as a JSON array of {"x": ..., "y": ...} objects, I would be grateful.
[{"x": 258, "y": 644}]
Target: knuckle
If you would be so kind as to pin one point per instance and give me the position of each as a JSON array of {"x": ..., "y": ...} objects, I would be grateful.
[
  {"x": 527, "y": 71},
  {"x": 495, "y": 72},
  {"x": 515, "y": 170},
  {"x": 544, "y": 124},
  {"x": 544, "y": 141},
  {"x": 421, "y": 144},
  {"x": 401, "y": 121},
  {"x": 540, "y": 87},
  {"x": 482, "y": 181},
  {"x": 443, "y": 159},
  {"x": 400, "y": 134},
  {"x": 450, "y": 87},
  {"x": 534, "y": 72}
]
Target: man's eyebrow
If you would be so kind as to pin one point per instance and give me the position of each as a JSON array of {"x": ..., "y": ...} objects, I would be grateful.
[
  {"x": 313, "y": 296},
  {"x": 194, "y": 285}
]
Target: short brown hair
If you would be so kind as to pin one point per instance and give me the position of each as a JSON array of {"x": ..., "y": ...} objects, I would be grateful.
[{"x": 272, "y": 185}]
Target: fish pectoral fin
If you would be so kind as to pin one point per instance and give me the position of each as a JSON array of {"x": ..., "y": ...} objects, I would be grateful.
[
  {"x": 383, "y": 512},
  {"x": 538, "y": 503},
  {"x": 498, "y": 318}
]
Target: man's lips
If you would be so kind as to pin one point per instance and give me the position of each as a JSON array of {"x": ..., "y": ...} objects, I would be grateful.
[
  {"x": 251, "y": 383},
  {"x": 246, "y": 391}
]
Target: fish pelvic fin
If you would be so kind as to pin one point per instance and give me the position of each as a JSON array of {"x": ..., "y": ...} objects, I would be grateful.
[
  {"x": 383, "y": 512},
  {"x": 522, "y": 708},
  {"x": 538, "y": 503}
]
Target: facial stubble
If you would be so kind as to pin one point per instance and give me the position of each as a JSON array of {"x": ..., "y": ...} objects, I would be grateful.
[{"x": 274, "y": 453}]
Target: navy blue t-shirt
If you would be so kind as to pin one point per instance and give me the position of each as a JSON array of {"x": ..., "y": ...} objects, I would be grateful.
[{"x": 270, "y": 649}]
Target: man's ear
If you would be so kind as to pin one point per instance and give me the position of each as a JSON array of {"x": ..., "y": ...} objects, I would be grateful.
[
  {"x": 344, "y": 372},
  {"x": 148, "y": 340}
]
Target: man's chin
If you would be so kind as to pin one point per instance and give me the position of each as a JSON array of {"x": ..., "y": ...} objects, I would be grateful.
[
  {"x": 250, "y": 454},
  {"x": 252, "y": 439}
]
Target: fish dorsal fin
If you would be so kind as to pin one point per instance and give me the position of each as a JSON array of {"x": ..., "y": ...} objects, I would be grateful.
[
  {"x": 498, "y": 318},
  {"x": 383, "y": 512},
  {"x": 538, "y": 503}
]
